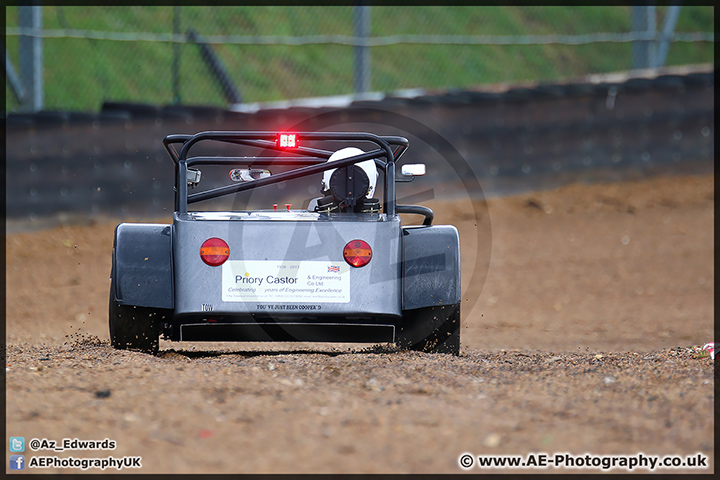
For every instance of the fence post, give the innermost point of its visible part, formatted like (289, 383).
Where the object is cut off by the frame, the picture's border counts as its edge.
(30, 58)
(361, 23)
(671, 18)
(642, 20)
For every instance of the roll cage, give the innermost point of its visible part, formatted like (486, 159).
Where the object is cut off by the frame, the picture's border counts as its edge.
(308, 161)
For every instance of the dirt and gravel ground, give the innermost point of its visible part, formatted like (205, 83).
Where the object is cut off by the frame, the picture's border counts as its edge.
(583, 339)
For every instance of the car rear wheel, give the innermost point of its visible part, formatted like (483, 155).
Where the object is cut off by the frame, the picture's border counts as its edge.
(433, 329)
(134, 328)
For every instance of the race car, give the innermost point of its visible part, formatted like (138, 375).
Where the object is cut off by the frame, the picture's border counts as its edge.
(343, 268)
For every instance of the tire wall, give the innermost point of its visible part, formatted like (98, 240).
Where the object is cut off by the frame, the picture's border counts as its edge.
(61, 164)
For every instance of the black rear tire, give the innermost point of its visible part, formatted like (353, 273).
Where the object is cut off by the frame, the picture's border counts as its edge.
(433, 329)
(134, 328)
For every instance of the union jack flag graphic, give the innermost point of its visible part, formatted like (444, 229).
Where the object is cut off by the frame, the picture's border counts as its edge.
(333, 268)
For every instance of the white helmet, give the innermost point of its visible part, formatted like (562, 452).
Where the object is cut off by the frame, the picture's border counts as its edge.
(368, 166)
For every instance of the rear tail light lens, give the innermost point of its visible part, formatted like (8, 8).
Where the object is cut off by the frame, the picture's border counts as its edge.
(357, 253)
(214, 251)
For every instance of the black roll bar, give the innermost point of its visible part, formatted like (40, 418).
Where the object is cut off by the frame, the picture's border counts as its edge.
(314, 163)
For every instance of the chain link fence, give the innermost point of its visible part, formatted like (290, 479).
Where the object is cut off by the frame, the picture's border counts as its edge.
(77, 57)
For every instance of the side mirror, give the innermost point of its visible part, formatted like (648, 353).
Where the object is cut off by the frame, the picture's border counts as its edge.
(413, 170)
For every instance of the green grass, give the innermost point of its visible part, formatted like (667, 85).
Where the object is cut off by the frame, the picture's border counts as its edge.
(80, 74)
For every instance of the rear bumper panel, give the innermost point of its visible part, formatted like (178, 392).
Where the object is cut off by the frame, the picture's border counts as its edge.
(312, 250)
